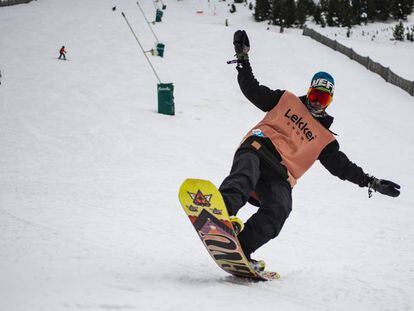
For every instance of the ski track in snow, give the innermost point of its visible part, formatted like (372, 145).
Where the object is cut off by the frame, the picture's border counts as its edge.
(89, 215)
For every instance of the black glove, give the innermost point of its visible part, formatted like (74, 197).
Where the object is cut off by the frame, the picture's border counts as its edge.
(241, 45)
(383, 186)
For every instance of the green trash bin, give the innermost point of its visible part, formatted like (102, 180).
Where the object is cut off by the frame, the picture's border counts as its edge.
(158, 15)
(166, 98)
(160, 49)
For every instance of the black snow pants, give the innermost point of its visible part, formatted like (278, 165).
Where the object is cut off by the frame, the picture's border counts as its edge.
(250, 174)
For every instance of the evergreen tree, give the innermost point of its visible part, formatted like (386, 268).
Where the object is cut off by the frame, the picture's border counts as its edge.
(332, 13)
(289, 13)
(357, 16)
(344, 13)
(400, 9)
(283, 12)
(383, 9)
(368, 10)
(276, 16)
(397, 10)
(324, 5)
(399, 31)
(317, 15)
(301, 12)
(262, 10)
(408, 7)
(310, 6)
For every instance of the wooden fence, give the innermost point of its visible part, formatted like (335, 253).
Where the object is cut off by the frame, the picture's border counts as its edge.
(384, 72)
(13, 2)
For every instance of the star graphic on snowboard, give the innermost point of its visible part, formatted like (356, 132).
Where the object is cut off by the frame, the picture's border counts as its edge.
(200, 199)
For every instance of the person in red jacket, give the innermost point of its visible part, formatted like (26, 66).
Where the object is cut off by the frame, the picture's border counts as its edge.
(62, 53)
(275, 153)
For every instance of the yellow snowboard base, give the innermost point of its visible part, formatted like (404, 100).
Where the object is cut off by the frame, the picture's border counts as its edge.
(205, 207)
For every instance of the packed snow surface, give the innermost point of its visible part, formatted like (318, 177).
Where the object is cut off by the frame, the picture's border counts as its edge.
(89, 171)
(376, 40)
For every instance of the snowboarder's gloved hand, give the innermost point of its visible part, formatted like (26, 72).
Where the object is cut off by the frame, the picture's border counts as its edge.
(383, 186)
(241, 45)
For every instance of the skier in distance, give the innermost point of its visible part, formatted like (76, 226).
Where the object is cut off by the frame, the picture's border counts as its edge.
(62, 53)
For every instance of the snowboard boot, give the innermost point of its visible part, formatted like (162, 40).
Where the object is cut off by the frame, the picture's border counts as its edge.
(237, 223)
(257, 265)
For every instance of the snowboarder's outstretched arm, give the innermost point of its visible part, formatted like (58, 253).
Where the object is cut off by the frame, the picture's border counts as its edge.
(261, 96)
(338, 164)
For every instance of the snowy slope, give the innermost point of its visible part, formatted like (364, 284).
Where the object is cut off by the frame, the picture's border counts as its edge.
(376, 41)
(89, 172)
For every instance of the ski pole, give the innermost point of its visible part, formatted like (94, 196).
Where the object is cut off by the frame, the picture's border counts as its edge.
(236, 61)
(142, 49)
(142, 11)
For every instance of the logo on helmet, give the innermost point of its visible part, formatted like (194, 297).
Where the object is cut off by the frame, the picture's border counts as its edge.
(323, 84)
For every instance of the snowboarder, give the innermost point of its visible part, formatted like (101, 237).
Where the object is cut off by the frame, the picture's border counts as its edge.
(276, 152)
(62, 53)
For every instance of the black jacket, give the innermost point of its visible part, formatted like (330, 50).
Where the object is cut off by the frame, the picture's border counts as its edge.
(334, 160)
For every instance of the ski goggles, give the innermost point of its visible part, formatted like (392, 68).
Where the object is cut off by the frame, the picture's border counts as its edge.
(319, 99)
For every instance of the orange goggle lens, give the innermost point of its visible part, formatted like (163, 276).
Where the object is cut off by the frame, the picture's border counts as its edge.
(318, 98)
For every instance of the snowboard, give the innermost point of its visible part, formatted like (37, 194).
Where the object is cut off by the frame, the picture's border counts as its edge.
(205, 207)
